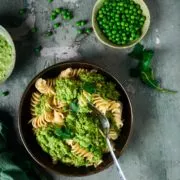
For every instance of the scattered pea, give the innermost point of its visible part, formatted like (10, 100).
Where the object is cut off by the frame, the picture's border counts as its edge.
(53, 17)
(58, 10)
(80, 31)
(48, 34)
(34, 30)
(37, 49)
(49, 1)
(22, 11)
(56, 25)
(88, 30)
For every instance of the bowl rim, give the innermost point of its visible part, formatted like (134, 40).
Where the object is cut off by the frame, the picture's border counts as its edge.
(20, 119)
(113, 45)
(9, 39)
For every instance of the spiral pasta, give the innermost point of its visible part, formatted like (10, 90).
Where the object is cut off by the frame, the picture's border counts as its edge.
(42, 86)
(101, 104)
(58, 118)
(48, 117)
(51, 82)
(34, 101)
(113, 134)
(69, 72)
(84, 98)
(116, 109)
(76, 149)
(66, 73)
(55, 103)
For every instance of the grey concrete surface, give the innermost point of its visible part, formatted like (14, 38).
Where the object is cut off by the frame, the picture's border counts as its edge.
(154, 149)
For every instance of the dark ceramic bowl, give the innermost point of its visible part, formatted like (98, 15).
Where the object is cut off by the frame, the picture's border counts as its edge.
(43, 158)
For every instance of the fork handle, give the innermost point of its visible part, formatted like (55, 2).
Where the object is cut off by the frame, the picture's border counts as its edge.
(121, 174)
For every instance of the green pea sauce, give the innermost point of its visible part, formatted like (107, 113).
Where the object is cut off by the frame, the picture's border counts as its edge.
(5, 57)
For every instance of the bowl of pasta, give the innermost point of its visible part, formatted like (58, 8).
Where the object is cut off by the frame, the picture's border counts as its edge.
(57, 127)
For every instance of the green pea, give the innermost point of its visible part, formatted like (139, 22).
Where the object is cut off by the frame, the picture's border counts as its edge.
(132, 17)
(126, 24)
(123, 16)
(48, 34)
(38, 49)
(123, 42)
(118, 23)
(53, 13)
(22, 11)
(143, 18)
(114, 32)
(141, 23)
(58, 10)
(131, 39)
(131, 7)
(53, 17)
(122, 23)
(56, 25)
(139, 11)
(126, 11)
(120, 4)
(34, 29)
(80, 31)
(49, 1)
(127, 29)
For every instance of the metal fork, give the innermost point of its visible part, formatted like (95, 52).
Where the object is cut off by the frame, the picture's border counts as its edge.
(105, 127)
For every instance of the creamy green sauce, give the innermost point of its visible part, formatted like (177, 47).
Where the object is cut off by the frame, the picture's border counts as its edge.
(80, 125)
(5, 57)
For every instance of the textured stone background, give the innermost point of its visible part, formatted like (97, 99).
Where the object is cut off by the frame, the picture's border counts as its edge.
(154, 149)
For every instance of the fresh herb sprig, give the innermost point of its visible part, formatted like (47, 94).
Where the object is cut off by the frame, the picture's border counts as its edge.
(144, 69)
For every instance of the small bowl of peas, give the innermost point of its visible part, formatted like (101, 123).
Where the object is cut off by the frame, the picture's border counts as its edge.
(120, 23)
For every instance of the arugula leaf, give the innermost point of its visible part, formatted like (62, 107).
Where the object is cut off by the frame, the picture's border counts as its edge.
(144, 70)
(74, 107)
(5, 93)
(89, 87)
(63, 133)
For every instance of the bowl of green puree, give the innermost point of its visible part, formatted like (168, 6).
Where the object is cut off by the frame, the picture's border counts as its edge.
(7, 55)
(120, 23)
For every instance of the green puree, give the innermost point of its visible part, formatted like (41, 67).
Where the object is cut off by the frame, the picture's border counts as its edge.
(5, 57)
(80, 125)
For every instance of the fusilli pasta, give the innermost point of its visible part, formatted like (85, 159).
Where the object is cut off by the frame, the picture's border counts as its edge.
(42, 86)
(113, 134)
(76, 149)
(84, 98)
(34, 101)
(116, 109)
(101, 104)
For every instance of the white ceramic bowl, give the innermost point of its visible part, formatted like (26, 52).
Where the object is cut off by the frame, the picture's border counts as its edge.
(101, 36)
(7, 36)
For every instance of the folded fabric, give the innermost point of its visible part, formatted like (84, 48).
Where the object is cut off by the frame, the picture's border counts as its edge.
(14, 162)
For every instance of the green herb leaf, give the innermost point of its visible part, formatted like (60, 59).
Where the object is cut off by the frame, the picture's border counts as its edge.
(147, 79)
(5, 93)
(63, 133)
(144, 70)
(137, 52)
(145, 63)
(74, 107)
(89, 87)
